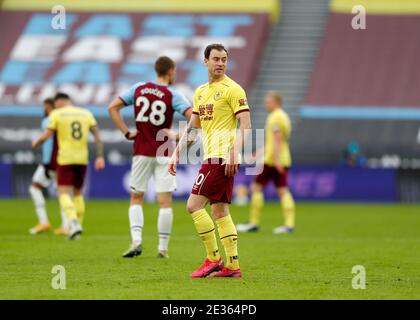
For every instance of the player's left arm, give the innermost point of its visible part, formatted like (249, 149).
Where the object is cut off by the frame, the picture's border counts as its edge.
(99, 148)
(245, 127)
(48, 133)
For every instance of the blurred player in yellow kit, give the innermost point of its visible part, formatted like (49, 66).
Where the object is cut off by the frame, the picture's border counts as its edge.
(72, 126)
(277, 161)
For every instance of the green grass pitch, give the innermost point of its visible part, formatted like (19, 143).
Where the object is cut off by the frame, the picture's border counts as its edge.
(313, 263)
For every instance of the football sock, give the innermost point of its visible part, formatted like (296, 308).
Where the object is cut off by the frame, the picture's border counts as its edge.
(64, 223)
(79, 204)
(164, 227)
(288, 205)
(257, 202)
(67, 205)
(135, 215)
(229, 239)
(39, 202)
(205, 228)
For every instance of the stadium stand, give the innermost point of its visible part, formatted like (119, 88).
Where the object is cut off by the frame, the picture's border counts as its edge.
(364, 86)
(290, 55)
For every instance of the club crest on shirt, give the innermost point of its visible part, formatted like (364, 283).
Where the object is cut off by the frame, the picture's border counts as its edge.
(218, 95)
(242, 102)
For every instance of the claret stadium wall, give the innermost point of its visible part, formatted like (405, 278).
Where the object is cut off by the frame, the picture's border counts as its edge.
(364, 86)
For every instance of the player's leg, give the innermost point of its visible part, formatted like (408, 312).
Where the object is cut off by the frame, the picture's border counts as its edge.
(64, 228)
(165, 185)
(79, 204)
(288, 207)
(65, 187)
(141, 171)
(78, 198)
(165, 220)
(67, 204)
(39, 182)
(228, 238)
(287, 203)
(136, 219)
(206, 229)
(257, 203)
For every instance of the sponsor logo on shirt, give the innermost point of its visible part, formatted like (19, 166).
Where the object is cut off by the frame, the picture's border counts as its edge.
(205, 111)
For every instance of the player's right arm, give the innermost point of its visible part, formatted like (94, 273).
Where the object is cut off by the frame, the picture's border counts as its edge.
(48, 132)
(189, 135)
(114, 112)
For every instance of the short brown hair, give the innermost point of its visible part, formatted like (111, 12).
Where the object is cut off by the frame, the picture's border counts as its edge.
(61, 96)
(276, 95)
(49, 101)
(215, 46)
(163, 65)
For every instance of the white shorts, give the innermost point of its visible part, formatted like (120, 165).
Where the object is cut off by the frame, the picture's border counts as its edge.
(41, 178)
(144, 167)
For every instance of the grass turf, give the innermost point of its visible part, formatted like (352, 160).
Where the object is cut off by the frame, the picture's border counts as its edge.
(313, 263)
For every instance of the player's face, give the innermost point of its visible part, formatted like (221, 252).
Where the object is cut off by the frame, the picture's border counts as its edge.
(270, 103)
(47, 108)
(216, 63)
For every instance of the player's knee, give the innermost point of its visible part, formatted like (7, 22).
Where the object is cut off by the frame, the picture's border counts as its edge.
(165, 201)
(35, 185)
(192, 207)
(219, 211)
(136, 198)
(282, 191)
(255, 187)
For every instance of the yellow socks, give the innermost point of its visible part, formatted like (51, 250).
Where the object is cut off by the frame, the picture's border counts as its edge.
(79, 204)
(288, 205)
(67, 205)
(205, 227)
(257, 202)
(229, 239)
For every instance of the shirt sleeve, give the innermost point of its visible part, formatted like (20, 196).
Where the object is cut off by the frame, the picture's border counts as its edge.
(238, 100)
(276, 123)
(128, 96)
(52, 121)
(92, 120)
(179, 102)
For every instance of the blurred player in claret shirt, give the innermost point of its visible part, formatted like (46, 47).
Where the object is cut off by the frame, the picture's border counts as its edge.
(218, 107)
(72, 126)
(43, 176)
(277, 161)
(154, 106)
